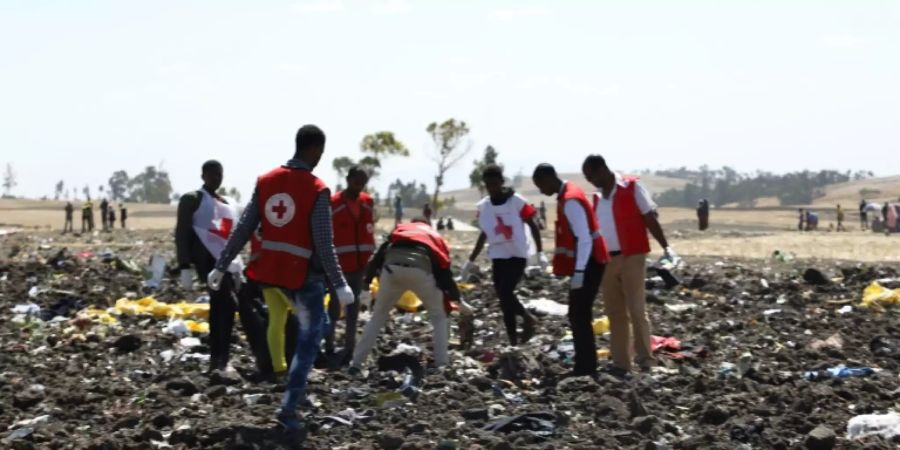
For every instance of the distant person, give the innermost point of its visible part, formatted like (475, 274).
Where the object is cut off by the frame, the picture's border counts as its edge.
(111, 218)
(427, 212)
(812, 221)
(703, 214)
(863, 215)
(801, 225)
(840, 218)
(440, 224)
(449, 224)
(104, 208)
(891, 214)
(70, 210)
(87, 216)
(123, 214)
(398, 210)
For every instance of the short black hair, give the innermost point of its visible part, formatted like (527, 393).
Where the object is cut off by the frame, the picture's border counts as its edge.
(492, 171)
(211, 164)
(356, 171)
(594, 161)
(544, 170)
(309, 136)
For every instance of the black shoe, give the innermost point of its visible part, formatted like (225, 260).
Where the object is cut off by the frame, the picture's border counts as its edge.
(528, 328)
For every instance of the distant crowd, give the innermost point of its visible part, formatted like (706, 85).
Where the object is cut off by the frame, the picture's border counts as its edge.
(884, 217)
(107, 216)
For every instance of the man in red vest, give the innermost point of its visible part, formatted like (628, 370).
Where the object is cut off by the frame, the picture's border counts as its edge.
(353, 218)
(626, 213)
(415, 258)
(580, 254)
(292, 207)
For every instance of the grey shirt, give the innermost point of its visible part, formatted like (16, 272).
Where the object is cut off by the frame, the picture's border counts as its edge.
(323, 262)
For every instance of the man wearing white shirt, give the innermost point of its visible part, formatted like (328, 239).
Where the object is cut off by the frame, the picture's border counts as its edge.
(626, 213)
(502, 216)
(581, 254)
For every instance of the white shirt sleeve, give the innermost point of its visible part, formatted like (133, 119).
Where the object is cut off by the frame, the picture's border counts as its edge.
(578, 220)
(642, 197)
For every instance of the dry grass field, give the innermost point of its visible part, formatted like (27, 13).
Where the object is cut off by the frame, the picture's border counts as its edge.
(749, 233)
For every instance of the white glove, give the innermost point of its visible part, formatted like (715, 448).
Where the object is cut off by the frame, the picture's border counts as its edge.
(365, 298)
(214, 279)
(466, 268)
(670, 253)
(577, 281)
(345, 295)
(543, 261)
(186, 280)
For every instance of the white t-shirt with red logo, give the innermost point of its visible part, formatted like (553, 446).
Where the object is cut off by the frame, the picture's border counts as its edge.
(504, 226)
(213, 223)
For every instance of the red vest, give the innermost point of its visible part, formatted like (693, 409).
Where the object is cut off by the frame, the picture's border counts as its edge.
(566, 244)
(285, 198)
(630, 227)
(354, 237)
(424, 234)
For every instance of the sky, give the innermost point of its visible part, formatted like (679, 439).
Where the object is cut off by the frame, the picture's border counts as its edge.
(91, 87)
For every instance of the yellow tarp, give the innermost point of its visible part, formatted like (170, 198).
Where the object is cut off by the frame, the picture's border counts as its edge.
(197, 327)
(155, 308)
(99, 315)
(878, 296)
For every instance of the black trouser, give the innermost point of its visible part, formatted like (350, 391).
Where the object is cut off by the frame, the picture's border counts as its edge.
(68, 226)
(507, 274)
(254, 320)
(863, 220)
(222, 307)
(355, 281)
(581, 304)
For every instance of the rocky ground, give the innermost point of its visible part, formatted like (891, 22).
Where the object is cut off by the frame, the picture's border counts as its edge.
(749, 330)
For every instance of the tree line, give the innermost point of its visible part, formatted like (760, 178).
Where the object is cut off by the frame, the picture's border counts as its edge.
(728, 186)
(150, 186)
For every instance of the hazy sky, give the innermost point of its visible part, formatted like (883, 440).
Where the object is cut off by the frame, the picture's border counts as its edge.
(89, 87)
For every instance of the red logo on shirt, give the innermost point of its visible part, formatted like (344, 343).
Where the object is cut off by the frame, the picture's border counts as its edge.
(504, 229)
(224, 229)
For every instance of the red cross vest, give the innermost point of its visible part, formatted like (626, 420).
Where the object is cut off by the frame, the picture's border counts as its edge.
(285, 198)
(423, 234)
(354, 237)
(566, 244)
(630, 227)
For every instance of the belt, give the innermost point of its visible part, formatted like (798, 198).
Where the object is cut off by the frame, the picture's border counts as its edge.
(615, 253)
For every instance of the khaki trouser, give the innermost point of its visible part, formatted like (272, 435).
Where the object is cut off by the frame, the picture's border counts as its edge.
(394, 281)
(626, 306)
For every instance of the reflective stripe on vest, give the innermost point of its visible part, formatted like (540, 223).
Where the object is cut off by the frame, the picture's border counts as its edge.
(354, 248)
(564, 251)
(338, 209)
(292, 249)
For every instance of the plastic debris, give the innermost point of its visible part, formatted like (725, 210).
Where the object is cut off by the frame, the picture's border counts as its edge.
(876, 296)
(29, 309)
(547, 307)
(155, 308)
(840, 371)
(884, 425)
(601, 325)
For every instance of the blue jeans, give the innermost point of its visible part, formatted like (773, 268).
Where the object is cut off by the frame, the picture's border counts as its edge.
(309, 307)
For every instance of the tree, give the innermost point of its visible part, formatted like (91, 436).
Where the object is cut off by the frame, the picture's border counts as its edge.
(9, 180)
(448, 138)
(490, 157)
(118, 185)
(233, 192)
(341, 165)
(151, 186)
(382, 144)
(60, 186)
(371, 165)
